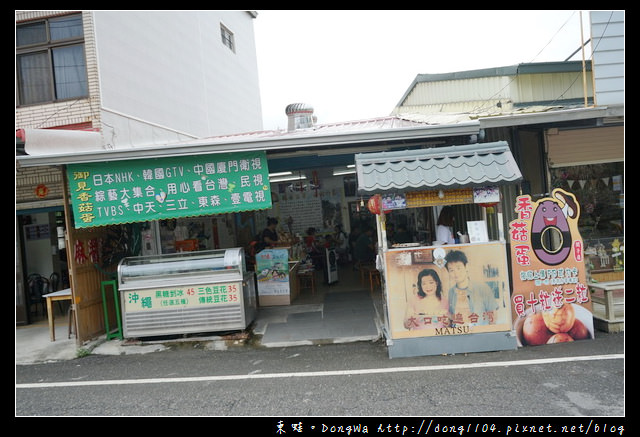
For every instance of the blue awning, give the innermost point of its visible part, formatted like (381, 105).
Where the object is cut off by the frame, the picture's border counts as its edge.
(472, 165)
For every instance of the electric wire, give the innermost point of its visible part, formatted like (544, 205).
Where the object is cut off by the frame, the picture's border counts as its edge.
(485, 105)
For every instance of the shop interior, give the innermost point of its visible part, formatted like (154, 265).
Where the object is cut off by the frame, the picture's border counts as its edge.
(43, 261)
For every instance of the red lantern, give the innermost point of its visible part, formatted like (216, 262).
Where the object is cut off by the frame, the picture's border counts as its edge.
(488, 206)
(375, 204)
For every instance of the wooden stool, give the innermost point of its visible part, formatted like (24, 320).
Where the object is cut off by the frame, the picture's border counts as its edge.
(365, 268)
(307, 280)
(374, 277)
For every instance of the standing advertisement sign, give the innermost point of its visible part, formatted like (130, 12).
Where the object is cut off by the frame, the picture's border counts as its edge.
(550, 300)
(272, 271)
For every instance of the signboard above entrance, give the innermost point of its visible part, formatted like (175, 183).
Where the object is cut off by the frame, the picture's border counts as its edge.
(152, 189)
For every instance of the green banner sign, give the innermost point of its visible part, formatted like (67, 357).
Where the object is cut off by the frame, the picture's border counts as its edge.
(153, 189)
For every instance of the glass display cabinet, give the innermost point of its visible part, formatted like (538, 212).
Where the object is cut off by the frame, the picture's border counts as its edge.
(187, 292)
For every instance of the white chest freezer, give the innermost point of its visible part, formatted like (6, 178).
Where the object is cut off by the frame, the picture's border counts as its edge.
(187, 292)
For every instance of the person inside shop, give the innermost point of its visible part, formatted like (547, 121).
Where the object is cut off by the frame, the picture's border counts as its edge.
(269, 236)
(426, 307)
(313, 249)
(390, 229)
(329, 242)
(365, 249)
(353, 237)
(341, 244)
(340, 237)
(470, 302)
(444, 230)
(402, 236)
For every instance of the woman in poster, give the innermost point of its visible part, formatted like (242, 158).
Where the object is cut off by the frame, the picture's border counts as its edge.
(426, 308)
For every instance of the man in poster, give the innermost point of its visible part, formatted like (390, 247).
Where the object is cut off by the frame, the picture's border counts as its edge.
(470, 302)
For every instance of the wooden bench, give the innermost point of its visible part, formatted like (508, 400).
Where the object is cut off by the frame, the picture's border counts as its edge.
(307, 279)
(610, 295)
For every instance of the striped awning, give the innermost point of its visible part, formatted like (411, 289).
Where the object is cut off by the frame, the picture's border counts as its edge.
(472, 165)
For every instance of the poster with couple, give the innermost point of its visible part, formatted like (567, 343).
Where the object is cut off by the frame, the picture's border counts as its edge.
(448, 290)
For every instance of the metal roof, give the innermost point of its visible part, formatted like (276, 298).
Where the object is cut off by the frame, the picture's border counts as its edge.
(435, 168)
(353, 134)
(509, 70)
(334, 135)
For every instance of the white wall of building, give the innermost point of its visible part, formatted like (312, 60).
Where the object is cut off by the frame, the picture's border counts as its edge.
(167, 76)
(607, 34)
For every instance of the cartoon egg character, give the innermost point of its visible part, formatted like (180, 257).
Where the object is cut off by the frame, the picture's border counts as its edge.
(550, 233)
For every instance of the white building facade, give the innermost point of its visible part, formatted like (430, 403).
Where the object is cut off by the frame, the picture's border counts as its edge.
(145, 77)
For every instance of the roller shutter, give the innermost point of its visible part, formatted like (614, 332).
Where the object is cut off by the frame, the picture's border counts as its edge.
(585, 146)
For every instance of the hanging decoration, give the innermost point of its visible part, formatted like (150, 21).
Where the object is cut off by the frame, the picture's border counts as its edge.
(375, 205)
(488, 205)
(316, 182)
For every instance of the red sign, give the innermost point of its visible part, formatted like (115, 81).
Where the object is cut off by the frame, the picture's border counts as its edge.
(41, 191)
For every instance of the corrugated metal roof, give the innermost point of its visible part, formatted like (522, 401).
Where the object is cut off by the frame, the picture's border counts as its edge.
(401, 127)
(440, 167)
(495, 72)
(334, 135)
(372, 125)
(376, 124)
(454, 112)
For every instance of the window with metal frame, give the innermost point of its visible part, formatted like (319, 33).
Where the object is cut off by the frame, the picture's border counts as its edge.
(227, 38)
(50, 60)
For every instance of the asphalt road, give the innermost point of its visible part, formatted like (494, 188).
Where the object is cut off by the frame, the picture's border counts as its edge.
(579, 380)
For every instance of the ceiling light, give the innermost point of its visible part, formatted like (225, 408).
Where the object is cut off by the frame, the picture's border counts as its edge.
(343, 171)
(280, 173)
(287, 178)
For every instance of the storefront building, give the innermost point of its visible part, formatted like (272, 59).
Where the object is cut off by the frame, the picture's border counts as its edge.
(579, 149)
(115, 210)
(311, 196)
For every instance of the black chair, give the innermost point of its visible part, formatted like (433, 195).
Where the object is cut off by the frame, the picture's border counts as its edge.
(38, 286)
(54, 282)
(54, 285)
